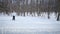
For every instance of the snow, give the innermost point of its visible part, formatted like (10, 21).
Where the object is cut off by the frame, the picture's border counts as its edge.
(28, 24)
(14, 13)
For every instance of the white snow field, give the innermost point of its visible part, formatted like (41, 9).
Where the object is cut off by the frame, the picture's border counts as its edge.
(29, 25)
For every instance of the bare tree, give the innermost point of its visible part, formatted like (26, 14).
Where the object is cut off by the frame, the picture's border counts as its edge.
(58, 9)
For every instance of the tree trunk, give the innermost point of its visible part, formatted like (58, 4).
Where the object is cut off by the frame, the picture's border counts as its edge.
(58, 17)
(48, 15)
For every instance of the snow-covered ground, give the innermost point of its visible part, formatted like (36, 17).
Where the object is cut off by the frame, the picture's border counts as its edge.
(29, 24)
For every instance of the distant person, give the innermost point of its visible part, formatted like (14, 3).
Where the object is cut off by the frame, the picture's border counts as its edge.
(13, 17)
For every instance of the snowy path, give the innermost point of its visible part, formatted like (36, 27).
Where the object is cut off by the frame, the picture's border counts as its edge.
(29, 23)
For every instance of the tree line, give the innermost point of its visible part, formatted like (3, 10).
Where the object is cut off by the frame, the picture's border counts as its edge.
(30, 6)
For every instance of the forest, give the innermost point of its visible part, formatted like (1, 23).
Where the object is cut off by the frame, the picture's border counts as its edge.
(32, 7)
